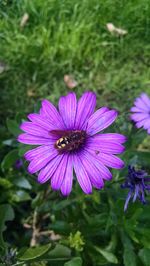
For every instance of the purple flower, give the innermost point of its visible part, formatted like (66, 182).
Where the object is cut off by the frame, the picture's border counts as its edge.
(141, 112)
(136, 182)
(68, 140)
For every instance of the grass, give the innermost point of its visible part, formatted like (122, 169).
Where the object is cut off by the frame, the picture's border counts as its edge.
(66, 36)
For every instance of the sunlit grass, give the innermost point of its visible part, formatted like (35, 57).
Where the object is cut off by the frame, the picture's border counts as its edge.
(71, 37)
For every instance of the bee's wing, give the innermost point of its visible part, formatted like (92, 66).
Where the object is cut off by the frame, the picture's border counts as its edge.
(59, 133)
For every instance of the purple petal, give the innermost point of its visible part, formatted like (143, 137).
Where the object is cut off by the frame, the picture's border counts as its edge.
(49, 111)
(99, 121)
(143, 123)
(40, 161)
(140, 123)
(92, 172)
(68, 178)
(148, 131)
(85, 108)
(82, 175)
(145, 99)
(47, 172)
(127, 200)
(35, 130)
(111, 160)
(67, 109)
(146, 179)
(103, 170)
(139, 116)
(42, 113)
(142, 195)
(146, 123)
(58, 177)
(136, 110)
(140, 104)
(110, 137)
(40, 121)
(33, 140)
(39, 151)
(105, 147)
(136, 193)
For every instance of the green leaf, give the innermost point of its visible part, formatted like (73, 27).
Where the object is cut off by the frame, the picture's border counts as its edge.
(13, 127)
(61, 227)
(21, 182)
(59, 251)
(5, 183)
(74, 262)
(143, 157)
(96, 222)
(6, 214)
(23, 149)
(21, 196)
(113, 242)
(33, 253)
(129, 256)
(144, 255)
(8, 142)
(110, 257)
(63, 204)
(144, 235)
(9, 160)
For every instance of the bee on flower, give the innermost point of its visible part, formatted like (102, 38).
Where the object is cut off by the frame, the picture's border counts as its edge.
(69, 139)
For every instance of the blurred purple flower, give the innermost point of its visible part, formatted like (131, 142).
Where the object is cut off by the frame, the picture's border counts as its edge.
(68, 140)
(141, 112)
(18, 164)
(136, 181)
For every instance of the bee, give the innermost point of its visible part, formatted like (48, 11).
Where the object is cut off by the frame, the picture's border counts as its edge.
(69, 140)
(61, 143)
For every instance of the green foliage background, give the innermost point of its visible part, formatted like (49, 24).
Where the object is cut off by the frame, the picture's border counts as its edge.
(70, 37)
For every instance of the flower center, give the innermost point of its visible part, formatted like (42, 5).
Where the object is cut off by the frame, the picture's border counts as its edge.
(70, 140)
